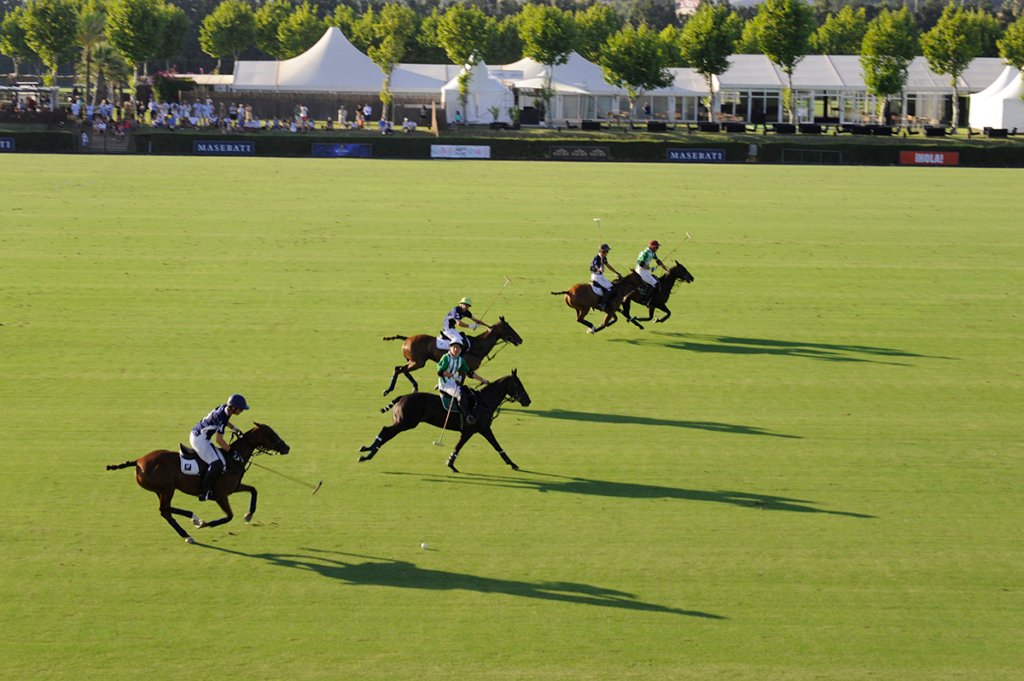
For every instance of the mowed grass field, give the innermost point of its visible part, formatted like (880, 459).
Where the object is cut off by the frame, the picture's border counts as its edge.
(811, 471)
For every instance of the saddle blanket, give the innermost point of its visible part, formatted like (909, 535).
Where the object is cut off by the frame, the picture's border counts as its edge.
(598, 291)
(443, 343)
(191, 464)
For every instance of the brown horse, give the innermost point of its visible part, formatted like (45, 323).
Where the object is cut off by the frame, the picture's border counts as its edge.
(416, 408)
(422, 347)
(582, 298)
(658, 298)
(160, 473)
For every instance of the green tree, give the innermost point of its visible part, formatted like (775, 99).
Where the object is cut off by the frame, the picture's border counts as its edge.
(636, 59)
(395, 27)
(92, 23)
(784, 29)
(749, 42)
(842, 33)
(50, 29)
(990, 30)
(889, 46)
(1011, 46)
(135, 28)
(464, 33)
(594, 26)
(13, 40)
(111, 68)
(549, 36)
(268, 19)
(228, 30)
(175, 26)
(300, 30)
(706, 43)
(950, 47)
(505, 45)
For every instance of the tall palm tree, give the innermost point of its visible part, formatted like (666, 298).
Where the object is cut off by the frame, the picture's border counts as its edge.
(92, 23)
(110, 66)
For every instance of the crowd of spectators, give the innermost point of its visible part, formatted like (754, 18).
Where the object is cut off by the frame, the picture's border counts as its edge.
(203, 114)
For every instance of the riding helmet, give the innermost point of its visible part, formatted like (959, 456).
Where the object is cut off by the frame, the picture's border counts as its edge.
(654, 244)
(467, 301)
(238, 402)
(606, 248)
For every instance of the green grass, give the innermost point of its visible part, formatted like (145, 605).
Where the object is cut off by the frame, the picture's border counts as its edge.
(811, 471)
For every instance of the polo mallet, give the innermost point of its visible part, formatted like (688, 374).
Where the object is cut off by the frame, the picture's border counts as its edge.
(688, 238)
(315, 488)
(440, 441)
(503, 287)
(599, 236)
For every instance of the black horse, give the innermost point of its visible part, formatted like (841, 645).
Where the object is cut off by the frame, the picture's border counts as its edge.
(658, 298)
(413, 409)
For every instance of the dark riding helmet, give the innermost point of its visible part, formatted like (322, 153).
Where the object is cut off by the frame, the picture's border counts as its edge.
(238, 402)
(654, 244)
(605, 247)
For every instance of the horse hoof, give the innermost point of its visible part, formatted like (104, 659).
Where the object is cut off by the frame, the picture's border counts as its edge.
(514, 467)
(190, 540)
(248, 517)
(591, 331)
(196, 521)
(364, 458)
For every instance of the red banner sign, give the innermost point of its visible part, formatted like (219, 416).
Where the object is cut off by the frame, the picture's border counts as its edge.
(930, 158)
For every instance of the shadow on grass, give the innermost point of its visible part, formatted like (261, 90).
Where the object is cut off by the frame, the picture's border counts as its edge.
(830, 352)
(547, 482)
(648, 421)
(357, 569)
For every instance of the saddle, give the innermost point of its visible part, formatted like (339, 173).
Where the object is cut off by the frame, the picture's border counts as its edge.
(443, 343)
(449, 403)
(190, 462)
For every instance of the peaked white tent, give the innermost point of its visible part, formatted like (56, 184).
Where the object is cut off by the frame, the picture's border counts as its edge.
(485, 92)
(1000, 104)
(333, 64)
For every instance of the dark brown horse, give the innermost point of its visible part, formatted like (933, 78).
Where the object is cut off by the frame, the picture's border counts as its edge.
(420, 348)
(160, 473)
(413, 409)
(582, 299)
(658, 298)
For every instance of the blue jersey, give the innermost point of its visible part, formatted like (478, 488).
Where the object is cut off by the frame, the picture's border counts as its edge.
(453, 317)
(214, 422)
(598, 264)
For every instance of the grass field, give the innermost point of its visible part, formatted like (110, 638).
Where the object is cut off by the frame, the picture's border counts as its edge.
(811, 471)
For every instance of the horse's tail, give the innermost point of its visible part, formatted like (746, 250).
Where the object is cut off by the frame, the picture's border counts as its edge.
(387, 408)
(126, 464)
(387, 338)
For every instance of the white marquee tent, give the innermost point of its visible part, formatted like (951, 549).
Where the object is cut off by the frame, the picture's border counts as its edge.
(1000, 104)
(485, 92)
(332, 64)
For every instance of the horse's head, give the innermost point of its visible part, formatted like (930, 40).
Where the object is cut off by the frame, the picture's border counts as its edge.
(514, 389)
(679, 272)
(263, 438)
(506, 333)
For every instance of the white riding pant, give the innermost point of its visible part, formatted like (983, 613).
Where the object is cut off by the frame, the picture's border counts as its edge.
(207, 451)
(646, 276)
(454, 335)
(599, 280)
(451, 387)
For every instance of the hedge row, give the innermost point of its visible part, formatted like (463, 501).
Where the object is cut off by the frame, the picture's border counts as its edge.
(737, 149)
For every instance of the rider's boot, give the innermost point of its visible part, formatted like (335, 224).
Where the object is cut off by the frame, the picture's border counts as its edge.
(467, 411)
(212, 473)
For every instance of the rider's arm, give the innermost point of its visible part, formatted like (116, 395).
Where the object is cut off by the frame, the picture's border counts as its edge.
(220, 441)
(478, 377)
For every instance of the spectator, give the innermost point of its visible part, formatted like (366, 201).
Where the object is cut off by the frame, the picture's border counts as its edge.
(367, 112)
(408, 126)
